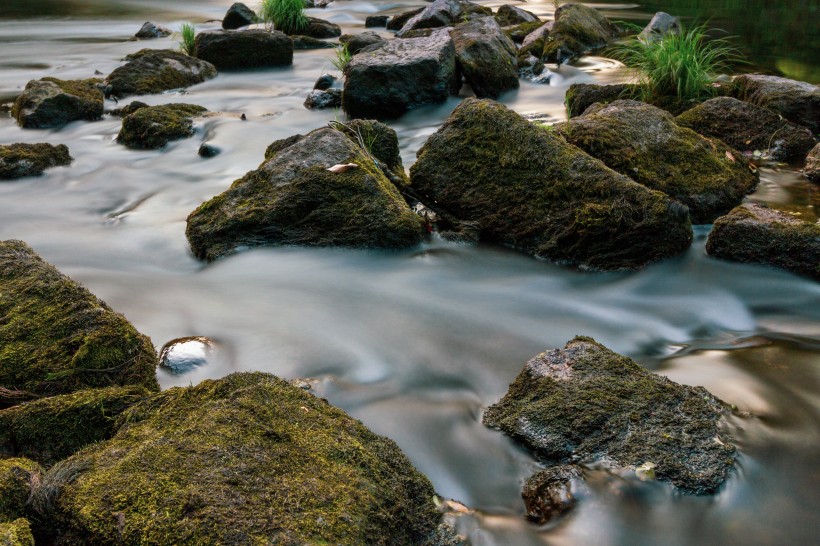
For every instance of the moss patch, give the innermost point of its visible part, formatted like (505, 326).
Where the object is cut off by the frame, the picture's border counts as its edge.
(578, 29)
(17, 479)
(51, 102)
(153, 127)
(157, 70)
(56, 337)
(21, 160)
(16, 533)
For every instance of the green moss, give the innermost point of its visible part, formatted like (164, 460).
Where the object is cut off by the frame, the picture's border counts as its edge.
(17, 478)
(577, 29)
(51, 102)
(157, 70)
(586, 403)
(155, 126)
(248, 459)
(56, 337)
(53, 428)
(16, 533)
(20, 160)
(519, 32)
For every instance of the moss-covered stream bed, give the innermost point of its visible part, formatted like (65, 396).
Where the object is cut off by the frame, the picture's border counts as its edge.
(417, 343)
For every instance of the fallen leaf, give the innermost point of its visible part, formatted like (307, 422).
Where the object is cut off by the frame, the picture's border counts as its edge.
(753, 168)
(729, 156)
(343, 167)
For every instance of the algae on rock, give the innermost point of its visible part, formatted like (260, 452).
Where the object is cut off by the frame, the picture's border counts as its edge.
(50, 102)
(16, 533)
(17, 479)
(577, 29)
(156, 70)
(21, 160)
(153, 127)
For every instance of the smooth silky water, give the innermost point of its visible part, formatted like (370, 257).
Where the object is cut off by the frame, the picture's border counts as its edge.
(417, 343)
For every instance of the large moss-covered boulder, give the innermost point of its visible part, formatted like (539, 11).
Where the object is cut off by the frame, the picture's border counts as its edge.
(798, 102)
(53, 428)
(812, 168)
(240, 49)
(510, 15)
(21, 160)
(16, 533)
(17, 479)
(747, 127)
(585, 403)
(525, 187)
(151, 71)
(644, 143)
(577, 29)
(294, 199)
(486, 57)
(155, 126)
(50, 102)
(56, 337)
(248, 459)
(757, 234)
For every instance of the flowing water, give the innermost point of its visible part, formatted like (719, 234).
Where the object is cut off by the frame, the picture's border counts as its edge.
(416, 343)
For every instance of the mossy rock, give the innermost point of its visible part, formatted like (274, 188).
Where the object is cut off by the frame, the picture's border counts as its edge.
(533, 43)
(21, 160)
(56, 337)
(526, 188)
(753, 233)
(586, 403)
(50, 102)
(577, 30)
(581, 96)
(16, 533)
(53, 428)
(747, 127)
(243, 49)
(519, 32)
(486, 57)
(248, 459)
(153, 127)
(548, 494)
(156, 70)
(798, 102)
(398, 21)
(509, 15)
(812, 168)
(644, 143)
(18, 477)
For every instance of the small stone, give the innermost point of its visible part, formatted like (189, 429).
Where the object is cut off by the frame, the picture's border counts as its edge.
(320, 99)
(238, 15)
(325, 82)
(149, 30)
(548, 494)
(180, 356)
(376, 21)
(208, 150)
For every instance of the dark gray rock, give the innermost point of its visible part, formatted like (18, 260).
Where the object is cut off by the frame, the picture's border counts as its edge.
(587, 403)
(577, 30)
(753, 233)
(661, 24)
(21, 160)
(398, 21)
(798, 102)
(533, 43)
(156, 70)
(486, 57)
(376, 21)
(581, 96)
(519, 32)
(149, 30)
(357, 42)
(324, 82)
(548, 494)
(240, 49)
(812, 168)
(306, 42)
(508, 15)
(385, 80)
(128, 109)
(50, 102)
(323, 98)
(319, 28)
(442, 13)
(238, 15)
(208, 151)
(155, 126)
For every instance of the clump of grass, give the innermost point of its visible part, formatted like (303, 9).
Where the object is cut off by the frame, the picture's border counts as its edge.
(188, 33)
(342, 59)
(682, 65)
(285, 15)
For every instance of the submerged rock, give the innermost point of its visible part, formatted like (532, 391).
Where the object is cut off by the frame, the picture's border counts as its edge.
(386, 80)
(644, 143)
(17, 479)
(53, 428)
(56, 337)
(526, 188)
(508, 15)
(149, 31)
(16, 533)
(294, 199)
(747, 127)
(661, 24)
(238, 15)
(155, 126)
(21, 160)
(240, 49)
(486, 57)
(548, 493)
(578, 29)
(581, 96)
(248, 459)
(357, 42)
(798, 102)
(323, 98)
(156, 70)
(50, 102)
(182, 355)
(812, 168)
(587, 403)
(753, 233)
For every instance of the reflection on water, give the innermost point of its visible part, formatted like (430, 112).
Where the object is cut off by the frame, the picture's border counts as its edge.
(416, 343)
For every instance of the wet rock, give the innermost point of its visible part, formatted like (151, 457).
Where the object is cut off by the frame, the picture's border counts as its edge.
(208, 150)
(128, 109)
(357, 42)
(753, 233)
(240, 49)
(508, 15)
(747, 127)
(581, 96)
(149, 31)
(379, 140)
(17, 478)
(50, 102)
(587, 403)
(206, 458)
(238, 15)
(520, 32)
(56, 337)
(398, 21)
(16, 533)
(531, 68)
(526, 188)
(486, 57)
(324, 82)
(21, 160)
(155, 126)
(53, 428)
(320, 99)
(182, 355)
(644, 142)
(443, 13)
(798, 102)
(661, 24)
(306, 42)
(386, 80)
(293, 199)
(577, 30)
(156, 70)
(548, 493)
(376, 21)
(319, 28)
(533, 43)
(812, 168)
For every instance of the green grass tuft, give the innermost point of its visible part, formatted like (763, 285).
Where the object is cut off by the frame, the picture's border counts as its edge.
(285, 15)
(342, 59)
(188, 32)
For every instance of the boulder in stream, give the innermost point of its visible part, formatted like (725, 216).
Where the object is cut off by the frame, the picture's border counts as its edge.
(586, 403)
(16, 533)
(238, 15)
(486, 57)
(442, 13)
(357, 42)
(376, 21)
(50, 102)
(18, 477)
(812, 168)
(156, 70)
(798, 102)
(56, 337)
(153, 127)
(661, 24)
(242, 49)
(581, 96)
(577, 29)
(524, 187)
(318, 99)
(21, 159)
(754, 233)
(319, 28)
(510, 15)
(149, 31)
(398, 21)
(247, 459)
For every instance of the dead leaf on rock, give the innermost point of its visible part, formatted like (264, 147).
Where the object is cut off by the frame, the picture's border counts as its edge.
(343, 167)
(729, 156)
